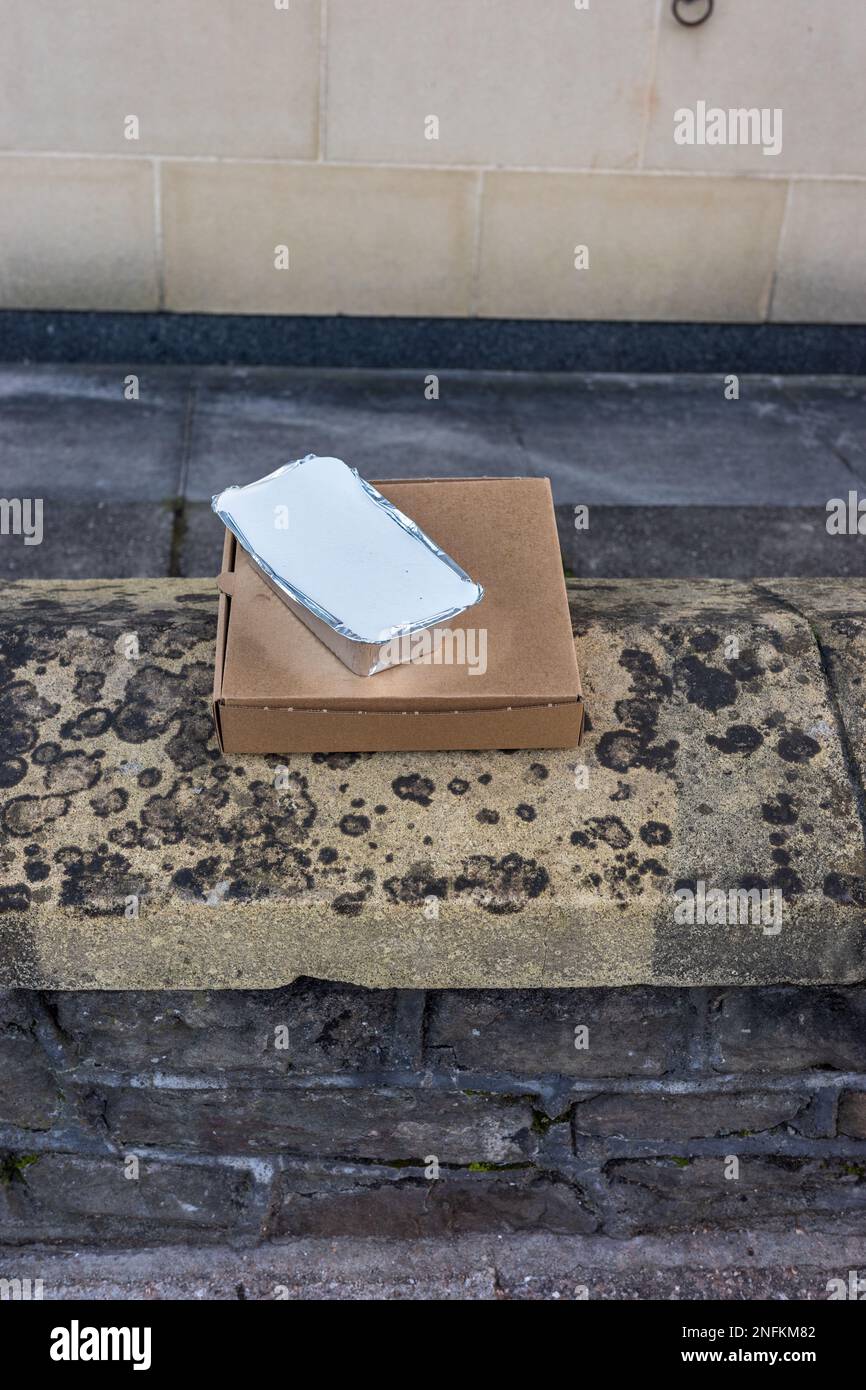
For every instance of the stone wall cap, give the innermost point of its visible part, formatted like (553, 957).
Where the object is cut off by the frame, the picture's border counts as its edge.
(723, 753)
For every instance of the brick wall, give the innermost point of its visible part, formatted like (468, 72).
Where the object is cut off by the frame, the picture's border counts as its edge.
(155, 157)
(324, 1109)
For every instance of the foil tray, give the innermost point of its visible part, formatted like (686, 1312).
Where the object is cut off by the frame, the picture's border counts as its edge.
(346, 561)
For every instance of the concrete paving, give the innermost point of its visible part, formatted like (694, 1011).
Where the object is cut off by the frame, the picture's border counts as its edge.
(468, 1268)
(679, 480)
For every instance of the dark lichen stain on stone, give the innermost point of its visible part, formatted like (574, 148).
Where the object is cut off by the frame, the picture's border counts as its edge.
(458, 786)
(96, 885)
(487, 817)
(28, 815)
(608, 829)
(12, 771)
(782, 810)
(652, 866)
(797, 747)
(706, 641)
(502, 886)
(525, 812)
(655, 832)
(349, 904)
(354, 825)
(708, 687)
(14, 897)
(414, 787)
(846, 889)
(91, 723)
(416, 886)
(740, 738)
(110, 803)
(338, 762)
(623, 749)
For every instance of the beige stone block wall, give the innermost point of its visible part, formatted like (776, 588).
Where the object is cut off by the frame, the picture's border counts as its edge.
(357, 240)
(81, 231)
(656, 247)
(433, 157)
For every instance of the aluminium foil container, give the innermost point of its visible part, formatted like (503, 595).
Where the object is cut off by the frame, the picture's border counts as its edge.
(361, 575)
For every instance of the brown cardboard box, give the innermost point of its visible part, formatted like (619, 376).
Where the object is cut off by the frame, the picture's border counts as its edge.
(277, 689)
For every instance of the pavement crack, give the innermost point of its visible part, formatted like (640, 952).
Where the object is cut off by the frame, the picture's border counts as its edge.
(821, 436)
(178, 503)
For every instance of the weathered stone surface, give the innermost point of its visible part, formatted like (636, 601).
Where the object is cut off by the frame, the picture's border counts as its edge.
(444, 1123)
(735, 770)
(332, 1200)
(383, 1123)
(63, 1196)
(836, 613)
(657, 1194)
(685, 1116)
(29, 1096)
(527, 1032)
(307, 1027)
(786, 1030)
(852, 1114)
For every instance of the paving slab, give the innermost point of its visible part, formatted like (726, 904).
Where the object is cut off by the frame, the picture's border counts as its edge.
(107, 469)
(663, 441)
(93, 540)
(68, 433)
(705, 761)
(650, 542)
(201, 542)
(690, 542)
(653, 440)
(248, 422)
(621, 445)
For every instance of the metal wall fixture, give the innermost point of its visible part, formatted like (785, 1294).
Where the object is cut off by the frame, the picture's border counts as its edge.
(702, 8)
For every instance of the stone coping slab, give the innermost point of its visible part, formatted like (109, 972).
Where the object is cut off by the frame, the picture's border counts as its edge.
(724, 746)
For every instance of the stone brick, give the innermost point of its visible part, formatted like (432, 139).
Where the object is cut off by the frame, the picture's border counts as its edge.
(366, 1201)
(411, 243)
(379, 1123)
(528, 221)
(785, 1029)
(685, 1116)
(61, 1196)
(78, 233)
(29, 1097)
(532, 1032)
(852, 1114)
(329, 1028)
(773, 1193)
(822, 266)
(510, 84)
(206, 77)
